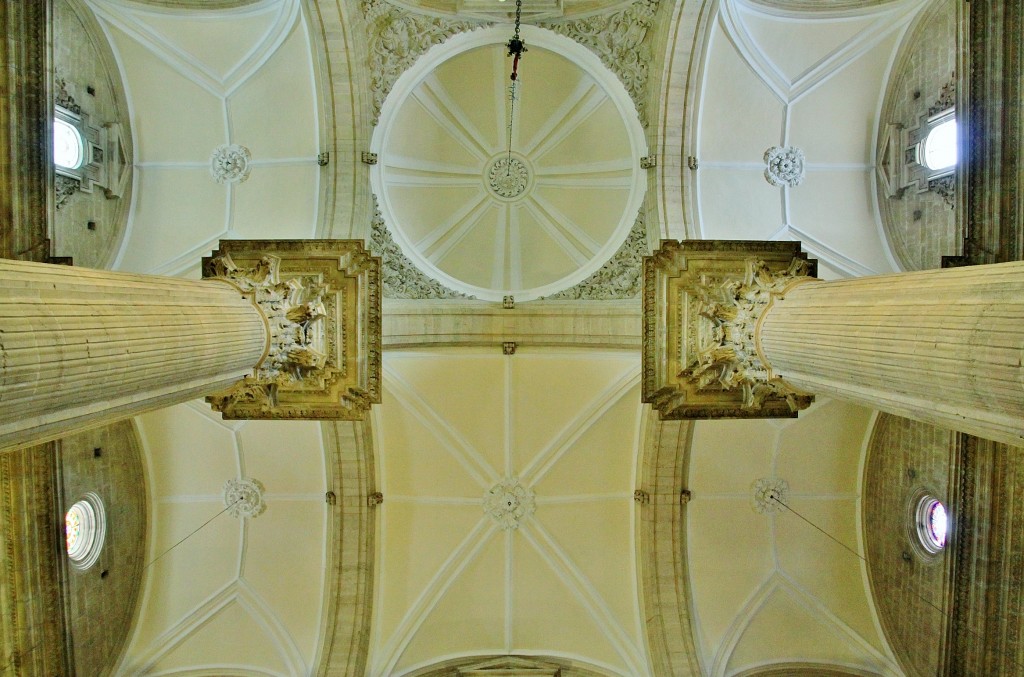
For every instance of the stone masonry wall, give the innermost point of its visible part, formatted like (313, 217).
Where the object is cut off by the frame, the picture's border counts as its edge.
(84, 61)
(103, 598)
(921, 227)
(904, 458)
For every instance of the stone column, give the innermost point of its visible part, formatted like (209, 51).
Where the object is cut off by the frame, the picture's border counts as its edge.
(286, 329)
(82, 347)
(736, 329)
(941, 346)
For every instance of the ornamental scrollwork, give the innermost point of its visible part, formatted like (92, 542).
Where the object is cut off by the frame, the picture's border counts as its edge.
(621, 277)
(293, 309)
(397, 39)
(620, 40)
(730, 360)
(400, 277)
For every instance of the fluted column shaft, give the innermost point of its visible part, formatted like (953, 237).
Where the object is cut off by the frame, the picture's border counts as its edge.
(82, 347)
(942, 346)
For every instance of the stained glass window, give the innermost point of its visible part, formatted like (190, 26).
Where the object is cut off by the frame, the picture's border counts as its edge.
(932, 524)
(84, 529)
(937, 524)
(72, 528)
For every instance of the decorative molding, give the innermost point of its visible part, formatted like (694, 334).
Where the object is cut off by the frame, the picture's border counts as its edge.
(321, 301)
(397, 38)
(784, 166)
(730, 359)
(295, 311)
(230, 163)
(508, 177)
(400, 277)
(509, 503)
(62, 97)
(349, 567)
(620, 40)
(945, 187)
(64, 187)
(702, 300)
(947, 97)
(662, 558)
(768, 495)
(243, 497)
(620, 277)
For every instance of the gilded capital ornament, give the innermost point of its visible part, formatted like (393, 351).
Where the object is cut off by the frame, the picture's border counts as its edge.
(703, 301)
(321, 302)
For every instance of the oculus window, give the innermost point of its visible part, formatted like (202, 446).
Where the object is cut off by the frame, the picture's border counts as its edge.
(84, 530)
(932, 524)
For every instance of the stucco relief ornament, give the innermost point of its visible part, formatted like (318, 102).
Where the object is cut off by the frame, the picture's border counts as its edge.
(509, 503)
(769, 495)
(785, 166)
(294, 310)
(243, 497)
(508, 177)
(230, 163)
(400, 277)
(729, 359)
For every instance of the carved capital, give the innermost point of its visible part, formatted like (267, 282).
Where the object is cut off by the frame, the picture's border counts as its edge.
(703, 301)
(321, 301)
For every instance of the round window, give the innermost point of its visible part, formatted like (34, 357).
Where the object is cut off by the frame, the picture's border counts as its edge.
(84, 528)
(932, 524)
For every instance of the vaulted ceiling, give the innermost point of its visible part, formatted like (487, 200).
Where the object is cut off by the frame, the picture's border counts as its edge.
(250, 596)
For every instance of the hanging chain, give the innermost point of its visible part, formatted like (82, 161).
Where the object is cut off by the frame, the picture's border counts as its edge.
(516, 48)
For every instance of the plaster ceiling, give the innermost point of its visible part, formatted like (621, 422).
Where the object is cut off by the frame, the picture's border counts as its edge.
(768, 587)
(815, 83)
(504, 10)
(242, 76)
(451, 581)
(483, 226)
(219, 600)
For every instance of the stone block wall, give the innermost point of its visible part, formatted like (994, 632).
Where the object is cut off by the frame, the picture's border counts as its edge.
(909, 589)
(84, 62)
(921, 227)
(103, 599)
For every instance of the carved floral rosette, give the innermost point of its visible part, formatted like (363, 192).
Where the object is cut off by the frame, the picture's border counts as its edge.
(784, 166)
(322, 304)
(244, 497)
(509, 503)
(768, 495)
(702, 301)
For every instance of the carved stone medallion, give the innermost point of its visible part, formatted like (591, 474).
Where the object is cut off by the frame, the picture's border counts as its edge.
(508, 502)
(229, 163)
(785, 166)
(244, 497)
(321, 301)
(507, 177)
(702, 302)
(769, 493)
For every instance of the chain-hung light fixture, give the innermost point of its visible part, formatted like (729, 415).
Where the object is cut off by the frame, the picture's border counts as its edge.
(516, 49)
